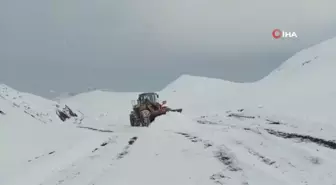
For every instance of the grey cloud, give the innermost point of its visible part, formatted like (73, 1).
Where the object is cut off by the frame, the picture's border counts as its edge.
(68, 45)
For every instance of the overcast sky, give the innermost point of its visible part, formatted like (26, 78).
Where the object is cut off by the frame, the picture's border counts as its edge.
(132, 45)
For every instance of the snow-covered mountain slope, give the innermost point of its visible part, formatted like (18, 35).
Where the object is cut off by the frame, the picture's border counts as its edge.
(278, 130)
(304, 83)
(31, 150)
(313, 69)
(44, 110)
(300, 87)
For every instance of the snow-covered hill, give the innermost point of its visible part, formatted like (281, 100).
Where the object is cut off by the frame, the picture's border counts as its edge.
(301, 87)
(278, 130)
(31, 150)
(44, 110)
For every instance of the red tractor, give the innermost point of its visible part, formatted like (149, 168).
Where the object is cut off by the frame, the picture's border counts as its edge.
(147, 108)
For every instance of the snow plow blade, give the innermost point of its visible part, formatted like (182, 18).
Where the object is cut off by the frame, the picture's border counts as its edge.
(176, 110)
(159, 113)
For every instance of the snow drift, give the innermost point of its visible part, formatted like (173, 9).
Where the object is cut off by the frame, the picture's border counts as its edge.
(278, 130)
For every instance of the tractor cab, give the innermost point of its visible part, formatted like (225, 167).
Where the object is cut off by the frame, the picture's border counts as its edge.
(153, 97)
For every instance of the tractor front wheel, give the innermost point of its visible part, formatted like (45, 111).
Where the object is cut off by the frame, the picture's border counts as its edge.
(145, 118)
(132, 120)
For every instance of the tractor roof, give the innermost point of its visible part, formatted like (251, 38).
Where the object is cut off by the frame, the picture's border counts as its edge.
(148, 93)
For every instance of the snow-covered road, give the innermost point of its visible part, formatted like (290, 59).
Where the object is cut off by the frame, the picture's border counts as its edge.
(178, 150)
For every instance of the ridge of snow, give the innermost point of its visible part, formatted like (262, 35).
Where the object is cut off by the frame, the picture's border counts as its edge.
(295, 63)
(187, 81)
(309, 67)
(37, 107)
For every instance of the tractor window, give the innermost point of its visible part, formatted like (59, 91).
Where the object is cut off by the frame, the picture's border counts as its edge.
(151, 97)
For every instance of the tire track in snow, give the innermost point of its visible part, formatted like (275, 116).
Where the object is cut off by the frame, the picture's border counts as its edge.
(303, 138)
(231, 173)
(258, 155)
(74, 170)
(224, 156)
(294, 164)
(43, 155)
(262, 158)
(124, 152)
(88, 168)
(126, 148)
(163, 157)
(267, 155)
(195, 139)
(95, 129)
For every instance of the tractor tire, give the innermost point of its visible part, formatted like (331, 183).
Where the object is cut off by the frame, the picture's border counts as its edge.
(137, 123)
(145, 118)
(146, 122)
(132, 120)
